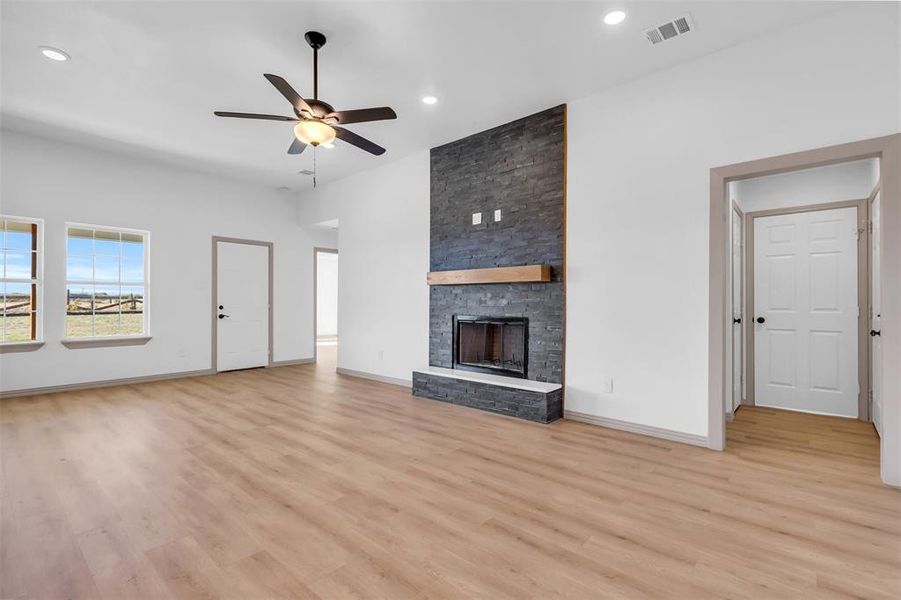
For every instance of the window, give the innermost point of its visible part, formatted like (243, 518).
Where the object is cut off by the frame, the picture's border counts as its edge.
(20, 290)
(106, 282)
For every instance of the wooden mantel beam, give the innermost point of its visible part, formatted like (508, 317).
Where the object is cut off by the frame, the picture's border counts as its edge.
(520, 274)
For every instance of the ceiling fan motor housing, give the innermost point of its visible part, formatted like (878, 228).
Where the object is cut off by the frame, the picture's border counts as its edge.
(320, 109)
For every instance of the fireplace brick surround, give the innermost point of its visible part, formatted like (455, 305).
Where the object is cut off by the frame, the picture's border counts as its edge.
(518, 168)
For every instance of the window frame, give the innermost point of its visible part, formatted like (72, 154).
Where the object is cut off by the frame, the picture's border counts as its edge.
(94, 340)
(37, 281)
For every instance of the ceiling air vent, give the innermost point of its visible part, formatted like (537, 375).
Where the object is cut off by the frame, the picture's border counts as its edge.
(667, 31)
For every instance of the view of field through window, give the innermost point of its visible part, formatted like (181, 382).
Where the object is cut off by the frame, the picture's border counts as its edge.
(19, 284)
(105, 283)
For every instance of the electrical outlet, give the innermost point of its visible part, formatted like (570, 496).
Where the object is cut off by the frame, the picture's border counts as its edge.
(497, 215)
(477, 218)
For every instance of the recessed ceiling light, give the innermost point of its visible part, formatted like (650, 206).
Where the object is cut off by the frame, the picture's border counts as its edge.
(54, 53)
(615, 17)
(429, 99)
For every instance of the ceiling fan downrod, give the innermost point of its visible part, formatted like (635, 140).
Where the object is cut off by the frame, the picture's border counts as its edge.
(316, 41)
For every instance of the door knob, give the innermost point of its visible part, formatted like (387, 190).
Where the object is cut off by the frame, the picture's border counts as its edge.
(222, 316)
(761, 320)
(736, 320)
(875, 332)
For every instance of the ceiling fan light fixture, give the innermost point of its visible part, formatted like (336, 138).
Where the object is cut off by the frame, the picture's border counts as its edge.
(314, 133)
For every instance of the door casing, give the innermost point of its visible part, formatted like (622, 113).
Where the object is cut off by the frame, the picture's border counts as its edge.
(742, 313)
(871, 310)
(888, 150)
(863, 293)
(214, 305)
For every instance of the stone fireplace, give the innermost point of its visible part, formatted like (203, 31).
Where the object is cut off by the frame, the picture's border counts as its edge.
(497, 202)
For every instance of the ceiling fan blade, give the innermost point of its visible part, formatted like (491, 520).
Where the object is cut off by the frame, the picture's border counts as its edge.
(297, 147)
(288, 92)
(362, 115)
(360, 142)
(238, 115)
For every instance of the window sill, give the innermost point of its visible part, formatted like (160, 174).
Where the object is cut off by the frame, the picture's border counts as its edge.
(99, 342)
(29, 346)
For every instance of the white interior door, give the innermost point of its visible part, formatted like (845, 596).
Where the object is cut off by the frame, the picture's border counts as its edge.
(876, 312)
(805, 294)
(737, 308)
(242, 297)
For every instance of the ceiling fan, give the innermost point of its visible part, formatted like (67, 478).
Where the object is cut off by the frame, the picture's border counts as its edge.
(317, 122)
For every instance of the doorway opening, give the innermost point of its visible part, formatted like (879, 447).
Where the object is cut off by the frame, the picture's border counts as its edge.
(325, 318)
(799, 297)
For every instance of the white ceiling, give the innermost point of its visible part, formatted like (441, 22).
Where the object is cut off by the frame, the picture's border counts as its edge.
(145, 76)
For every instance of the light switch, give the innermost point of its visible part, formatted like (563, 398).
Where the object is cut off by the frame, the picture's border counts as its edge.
(497, 214)
(477, 218)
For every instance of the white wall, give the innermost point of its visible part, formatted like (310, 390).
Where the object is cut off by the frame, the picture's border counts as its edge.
(61, 183)
(639, 159)
(833, 183)
(383, 299)
(326, 294)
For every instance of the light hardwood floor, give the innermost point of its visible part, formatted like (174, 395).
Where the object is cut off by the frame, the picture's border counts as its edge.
(294, 482)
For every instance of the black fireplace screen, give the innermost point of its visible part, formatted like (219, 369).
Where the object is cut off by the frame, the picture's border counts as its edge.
(491, 344)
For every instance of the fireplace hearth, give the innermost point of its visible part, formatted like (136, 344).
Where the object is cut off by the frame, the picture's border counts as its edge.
(497, 345)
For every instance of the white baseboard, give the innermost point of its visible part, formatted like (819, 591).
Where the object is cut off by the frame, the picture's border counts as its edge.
(657, 432)
(288, 363)
(407, 383)
(86, 385)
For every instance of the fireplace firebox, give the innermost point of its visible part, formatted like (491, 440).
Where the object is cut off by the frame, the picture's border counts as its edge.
(498, 345)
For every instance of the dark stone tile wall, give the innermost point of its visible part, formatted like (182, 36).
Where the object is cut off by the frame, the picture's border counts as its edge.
(523, 404)
(519, 168)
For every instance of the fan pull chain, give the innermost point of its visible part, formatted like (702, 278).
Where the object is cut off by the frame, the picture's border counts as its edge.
(314, 167)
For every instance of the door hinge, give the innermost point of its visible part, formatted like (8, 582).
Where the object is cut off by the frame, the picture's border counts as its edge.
(869, 226)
